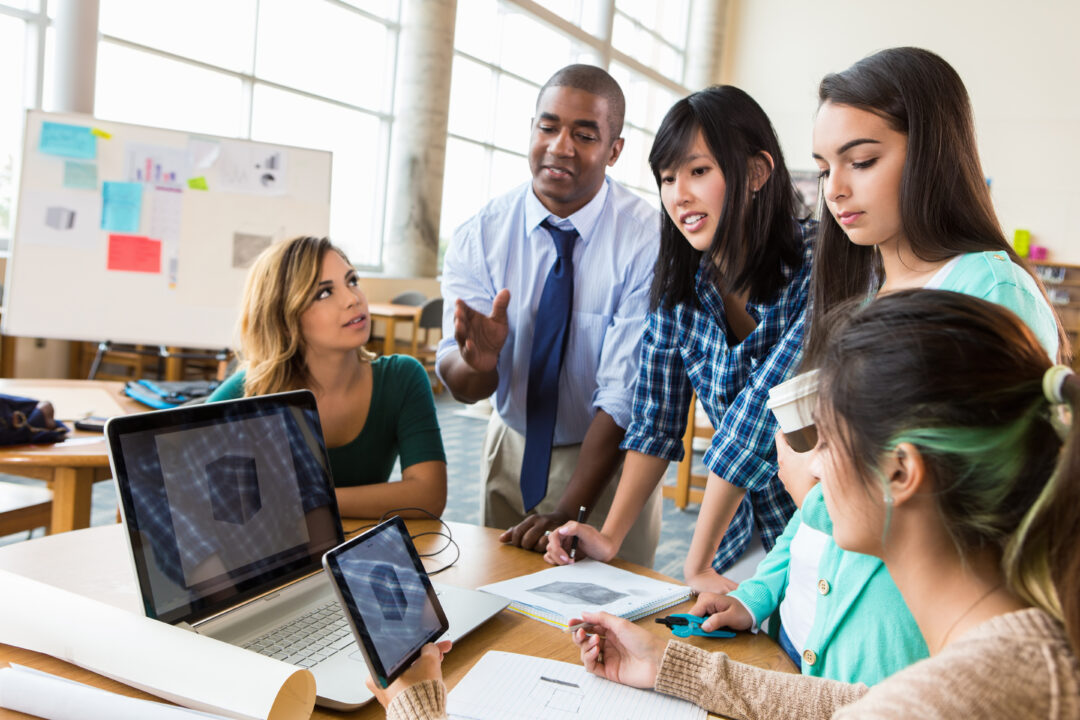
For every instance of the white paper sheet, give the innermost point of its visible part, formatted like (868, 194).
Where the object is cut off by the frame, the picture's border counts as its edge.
(61, 218)
(55, 698)
(203, 152)
(70, 403)
(166, 221)
(251, 169)
(156, 165)
(166, 661)
(507, 686)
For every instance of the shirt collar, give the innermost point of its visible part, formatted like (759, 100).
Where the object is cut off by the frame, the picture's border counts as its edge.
(584, 220)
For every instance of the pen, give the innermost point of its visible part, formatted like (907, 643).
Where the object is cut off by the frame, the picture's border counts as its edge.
(573, 542)
(589, 628)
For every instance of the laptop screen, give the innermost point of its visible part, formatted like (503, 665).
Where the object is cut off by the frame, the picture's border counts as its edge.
(223, 501)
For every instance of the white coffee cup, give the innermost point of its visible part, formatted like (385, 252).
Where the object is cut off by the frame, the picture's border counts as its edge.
(793, 403)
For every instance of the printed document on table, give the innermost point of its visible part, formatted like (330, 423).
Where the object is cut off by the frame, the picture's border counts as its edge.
(561, 593)
(508, 686)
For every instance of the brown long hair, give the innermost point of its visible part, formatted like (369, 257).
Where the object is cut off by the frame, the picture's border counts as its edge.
(945, 204)
(962, 379)
(280, 287)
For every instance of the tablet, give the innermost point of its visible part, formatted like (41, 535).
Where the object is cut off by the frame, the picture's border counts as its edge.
(387, 598)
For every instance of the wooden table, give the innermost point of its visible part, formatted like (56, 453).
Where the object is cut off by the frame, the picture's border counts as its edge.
(483, 560)
(391, 313)
(69, 468)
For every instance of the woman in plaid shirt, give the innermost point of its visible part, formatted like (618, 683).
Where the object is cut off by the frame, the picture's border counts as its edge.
(729, 300)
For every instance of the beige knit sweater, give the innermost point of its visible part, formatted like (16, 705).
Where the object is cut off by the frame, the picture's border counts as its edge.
(1014, 666)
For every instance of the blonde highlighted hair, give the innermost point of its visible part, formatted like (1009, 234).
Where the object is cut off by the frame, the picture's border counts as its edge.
(280, 287)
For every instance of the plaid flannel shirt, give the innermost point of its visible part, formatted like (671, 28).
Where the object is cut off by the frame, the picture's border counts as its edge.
(689, 347)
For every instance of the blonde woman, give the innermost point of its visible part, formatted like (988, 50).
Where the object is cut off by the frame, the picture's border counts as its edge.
(303, 325)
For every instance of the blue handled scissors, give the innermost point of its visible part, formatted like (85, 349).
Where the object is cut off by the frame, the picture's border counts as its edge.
(685, 625)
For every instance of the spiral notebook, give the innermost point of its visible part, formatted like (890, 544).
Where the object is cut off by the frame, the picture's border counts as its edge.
(559, 594)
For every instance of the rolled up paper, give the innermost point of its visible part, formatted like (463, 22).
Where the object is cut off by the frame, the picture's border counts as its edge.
(55, 698)
(169, 662)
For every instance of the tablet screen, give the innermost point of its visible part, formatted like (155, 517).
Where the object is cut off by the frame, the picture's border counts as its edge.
(387, 597)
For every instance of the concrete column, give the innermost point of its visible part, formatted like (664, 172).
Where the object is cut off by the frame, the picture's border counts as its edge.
(705, 43)
(76, 55)
(418, 142)
(76, 27)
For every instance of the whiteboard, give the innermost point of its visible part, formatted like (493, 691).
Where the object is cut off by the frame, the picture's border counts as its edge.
(144, 235)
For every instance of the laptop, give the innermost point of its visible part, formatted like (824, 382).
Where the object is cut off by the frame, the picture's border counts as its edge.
(228, 508)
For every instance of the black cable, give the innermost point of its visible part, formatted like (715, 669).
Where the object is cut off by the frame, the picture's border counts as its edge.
(448, 535)
(360, 529)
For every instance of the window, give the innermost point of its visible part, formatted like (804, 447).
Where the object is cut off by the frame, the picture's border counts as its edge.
(12, 68)
(22, 27)
(504, 50)
(646, 104)
(146, 89)
(320, 73)
(654, 32)
(317, 73)
(357, 141)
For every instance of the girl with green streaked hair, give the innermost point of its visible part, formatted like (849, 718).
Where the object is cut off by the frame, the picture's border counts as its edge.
(947, 450)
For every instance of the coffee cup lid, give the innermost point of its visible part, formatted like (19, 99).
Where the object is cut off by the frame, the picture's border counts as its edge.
(794, 388)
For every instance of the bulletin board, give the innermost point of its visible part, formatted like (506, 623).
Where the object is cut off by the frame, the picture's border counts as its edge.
(143, 235)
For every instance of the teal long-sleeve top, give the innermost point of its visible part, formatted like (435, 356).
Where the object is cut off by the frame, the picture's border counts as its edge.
(863, 631)
(401, 422)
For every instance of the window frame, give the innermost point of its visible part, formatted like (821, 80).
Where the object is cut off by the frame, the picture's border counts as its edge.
(607, 55)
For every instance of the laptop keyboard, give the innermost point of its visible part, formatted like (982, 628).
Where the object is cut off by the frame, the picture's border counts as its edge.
(308, 639)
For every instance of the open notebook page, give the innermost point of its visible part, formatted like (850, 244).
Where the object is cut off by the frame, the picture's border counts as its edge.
(507, 686)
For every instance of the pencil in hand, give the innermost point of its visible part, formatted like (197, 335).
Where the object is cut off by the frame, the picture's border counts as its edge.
(589, 628)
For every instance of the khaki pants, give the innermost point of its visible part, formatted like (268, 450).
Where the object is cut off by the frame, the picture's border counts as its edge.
(501, 502)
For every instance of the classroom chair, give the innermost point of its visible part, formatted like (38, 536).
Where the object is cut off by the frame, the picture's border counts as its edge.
(412, 298)
(24, 507)
(430, 319)
(119, 362)
(689, 486)
(415, 298)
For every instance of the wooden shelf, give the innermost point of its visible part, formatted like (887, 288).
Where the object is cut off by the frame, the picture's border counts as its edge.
(1063, 280)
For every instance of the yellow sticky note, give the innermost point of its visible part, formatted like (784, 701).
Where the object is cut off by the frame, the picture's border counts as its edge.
(197, 183)
(100, 133)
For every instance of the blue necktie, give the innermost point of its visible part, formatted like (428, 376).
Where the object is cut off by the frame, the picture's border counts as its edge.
(549, 340)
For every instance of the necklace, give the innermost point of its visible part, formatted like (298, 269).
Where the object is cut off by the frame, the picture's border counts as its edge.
(964, 614)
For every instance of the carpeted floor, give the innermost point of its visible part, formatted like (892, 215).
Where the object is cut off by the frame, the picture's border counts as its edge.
(463, 437)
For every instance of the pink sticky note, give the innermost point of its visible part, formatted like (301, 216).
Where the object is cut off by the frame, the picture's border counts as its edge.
(134, 253)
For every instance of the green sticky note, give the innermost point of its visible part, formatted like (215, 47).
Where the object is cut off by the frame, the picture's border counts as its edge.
(197, 183)
(80, 175)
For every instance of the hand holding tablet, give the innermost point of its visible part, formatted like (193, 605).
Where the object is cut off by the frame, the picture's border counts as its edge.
(387, 597)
